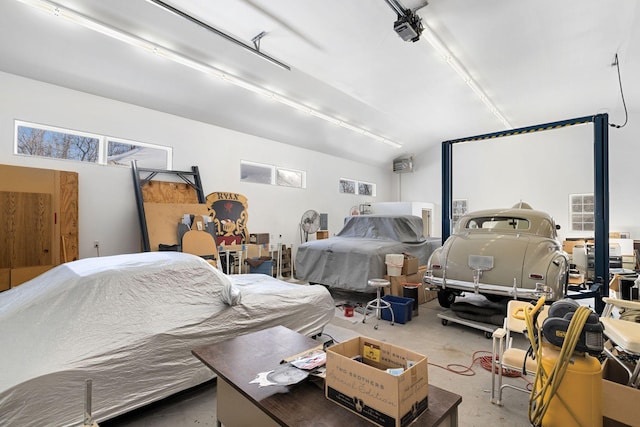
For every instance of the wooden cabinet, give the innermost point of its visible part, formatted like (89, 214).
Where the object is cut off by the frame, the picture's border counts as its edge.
(38, 222)
(26, 230)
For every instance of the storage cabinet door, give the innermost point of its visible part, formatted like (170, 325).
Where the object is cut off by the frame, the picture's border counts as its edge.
(27, 229)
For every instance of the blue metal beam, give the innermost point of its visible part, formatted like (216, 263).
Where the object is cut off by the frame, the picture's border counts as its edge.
(601, 185)
(447, 189)
(523, 130)
(601, 203)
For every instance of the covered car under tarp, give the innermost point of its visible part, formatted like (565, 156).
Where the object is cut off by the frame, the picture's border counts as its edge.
(129, 323)
(357, 253)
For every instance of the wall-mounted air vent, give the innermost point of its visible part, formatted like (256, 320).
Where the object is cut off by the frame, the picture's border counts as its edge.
(403, 164)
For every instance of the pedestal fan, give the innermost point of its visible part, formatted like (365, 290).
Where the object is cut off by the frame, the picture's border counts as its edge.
(309, 223)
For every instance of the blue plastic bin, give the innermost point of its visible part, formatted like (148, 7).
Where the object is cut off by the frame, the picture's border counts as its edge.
(401, 306)
(265, 268)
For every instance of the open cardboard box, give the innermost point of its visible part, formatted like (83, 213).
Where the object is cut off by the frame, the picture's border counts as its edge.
(356, 378)
(620, 403)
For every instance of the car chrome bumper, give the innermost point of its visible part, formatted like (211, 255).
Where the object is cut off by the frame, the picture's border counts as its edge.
(437, 283)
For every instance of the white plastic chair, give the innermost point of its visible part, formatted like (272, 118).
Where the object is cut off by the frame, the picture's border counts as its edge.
(624, 335)
(504, 355)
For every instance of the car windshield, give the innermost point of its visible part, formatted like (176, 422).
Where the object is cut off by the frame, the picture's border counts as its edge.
(497, 223)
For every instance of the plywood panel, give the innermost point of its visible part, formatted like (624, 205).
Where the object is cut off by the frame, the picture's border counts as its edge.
(6, 233)
(28, 180)
(27, 229)
(169, 192)
(24, 274)
(69, 217)
(38, 211)
(5, 279)
(163, 219)
(63, 188)
(31, 223)
(199, 243)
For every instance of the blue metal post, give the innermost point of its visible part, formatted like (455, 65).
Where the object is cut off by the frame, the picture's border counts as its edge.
(601, 203)
(447, 189)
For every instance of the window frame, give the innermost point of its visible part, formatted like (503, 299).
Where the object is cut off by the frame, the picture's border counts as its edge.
(166, 149)
(273, 180)
(102, 149)
(459, 208)
(582, 212)
(354, 185)
(347, 186)
(52, 129)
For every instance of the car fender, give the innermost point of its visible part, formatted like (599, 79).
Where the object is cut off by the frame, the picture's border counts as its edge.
(540, 258)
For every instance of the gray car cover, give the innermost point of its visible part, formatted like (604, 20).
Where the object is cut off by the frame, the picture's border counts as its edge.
(357, 253)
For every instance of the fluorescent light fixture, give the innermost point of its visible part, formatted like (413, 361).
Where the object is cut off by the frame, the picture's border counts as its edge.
(461, 71)
(291, 103)
(325, 117)
(90, 23)
(188, 62)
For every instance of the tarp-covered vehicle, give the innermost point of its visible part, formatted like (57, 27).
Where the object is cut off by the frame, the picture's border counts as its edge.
(357, 253)
(500, 253)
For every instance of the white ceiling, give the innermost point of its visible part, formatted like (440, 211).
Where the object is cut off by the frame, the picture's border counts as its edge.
(538, 61)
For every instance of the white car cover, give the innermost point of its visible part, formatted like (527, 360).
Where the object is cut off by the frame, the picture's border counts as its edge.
(129, 323)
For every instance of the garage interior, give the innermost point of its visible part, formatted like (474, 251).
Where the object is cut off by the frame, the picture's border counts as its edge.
(287, 113)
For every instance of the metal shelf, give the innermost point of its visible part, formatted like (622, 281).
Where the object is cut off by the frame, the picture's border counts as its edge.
(191, 177)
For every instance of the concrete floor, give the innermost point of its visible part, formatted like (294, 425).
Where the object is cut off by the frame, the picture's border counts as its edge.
(453, 346)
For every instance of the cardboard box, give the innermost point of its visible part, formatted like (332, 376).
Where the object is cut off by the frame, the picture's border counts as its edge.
(410, 265)
(397, 283)
(619, 401)
(322, 234)
(365, 388)
(414, 278)
(259, 238)
(430, 295)
(395, 287)
(568, 245)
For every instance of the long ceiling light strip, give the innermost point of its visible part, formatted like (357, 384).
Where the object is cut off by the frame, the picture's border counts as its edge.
(90, 23)
(461, 71)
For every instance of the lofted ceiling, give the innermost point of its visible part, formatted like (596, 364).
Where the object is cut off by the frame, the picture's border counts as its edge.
(537, 61)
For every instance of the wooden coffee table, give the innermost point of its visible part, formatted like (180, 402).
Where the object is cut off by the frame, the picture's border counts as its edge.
(239, 403)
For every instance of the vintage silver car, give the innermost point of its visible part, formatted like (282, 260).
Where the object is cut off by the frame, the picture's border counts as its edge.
(500, 253)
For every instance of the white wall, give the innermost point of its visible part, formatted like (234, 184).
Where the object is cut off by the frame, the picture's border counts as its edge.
(541, 168)
(424, 184)
(107, 203)
(410, 208)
